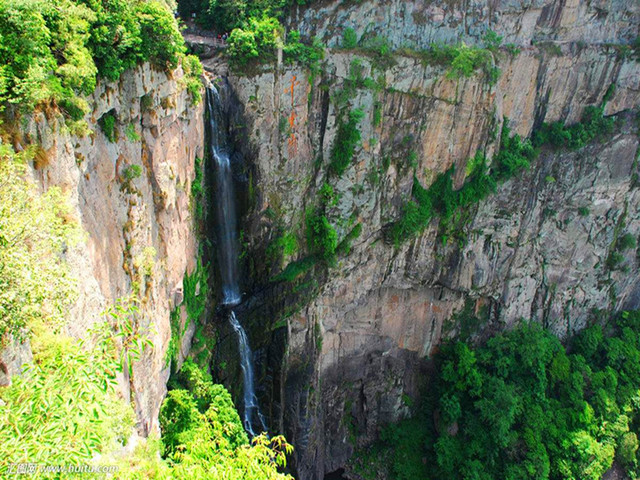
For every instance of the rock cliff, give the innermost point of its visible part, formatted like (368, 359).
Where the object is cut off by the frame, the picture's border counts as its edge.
(355, 345)
(130, 194)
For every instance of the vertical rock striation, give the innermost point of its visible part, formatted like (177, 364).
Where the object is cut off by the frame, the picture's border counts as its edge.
(536, 249)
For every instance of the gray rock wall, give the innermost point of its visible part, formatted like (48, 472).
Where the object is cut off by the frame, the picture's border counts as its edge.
(354, 353)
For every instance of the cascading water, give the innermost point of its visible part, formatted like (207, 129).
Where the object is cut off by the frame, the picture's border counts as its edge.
(228, 255)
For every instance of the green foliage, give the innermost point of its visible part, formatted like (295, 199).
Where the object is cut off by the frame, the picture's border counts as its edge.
(195, 290)
(243, 46)
(257, 39)
(64, 408)
(522, 406)
(193, 77)
(204, 437)
(125, 326)
(583, 211)
(294, 269)
(515, 154)
(131, 172)
(322, 239)
(35, 230)
(441, 200)
(132, 134)
(308, 55)
(108, 126)
(377, 114)
(344, 247)
(462, 60)
(492, 41)
(349, 38)
(285, 245)
(626, 241)
(592, 126)
(380, 51)
(347, 139)
(161, 42)
(198, 197)
(52, 52)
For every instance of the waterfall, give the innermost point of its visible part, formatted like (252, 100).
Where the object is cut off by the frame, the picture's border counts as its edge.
(228, 255)
(225, 203)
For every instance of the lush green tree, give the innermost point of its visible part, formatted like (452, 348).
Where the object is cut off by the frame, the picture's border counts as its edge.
(53, 52)
(204, 437)
(64, 409)
(522, 406)
(161, 40)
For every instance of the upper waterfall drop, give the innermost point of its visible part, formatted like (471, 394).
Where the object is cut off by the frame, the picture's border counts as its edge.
(225, 199)
(228, 256)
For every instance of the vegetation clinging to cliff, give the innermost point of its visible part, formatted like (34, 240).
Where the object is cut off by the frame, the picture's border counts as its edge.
(347, 139)
(523, 406)
(514, 155)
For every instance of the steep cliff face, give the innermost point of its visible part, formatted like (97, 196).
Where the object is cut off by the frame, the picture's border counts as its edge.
(537, 249)
(130, 193)
(417, 23)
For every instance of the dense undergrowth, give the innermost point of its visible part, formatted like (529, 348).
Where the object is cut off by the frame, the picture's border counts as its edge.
(524, 406)
(53, 53)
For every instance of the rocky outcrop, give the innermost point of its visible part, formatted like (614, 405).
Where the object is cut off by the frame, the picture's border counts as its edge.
(537, 249)
(418, 23)
(131, 197)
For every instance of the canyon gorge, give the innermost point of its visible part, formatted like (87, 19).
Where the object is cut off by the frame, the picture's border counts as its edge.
(340, 344)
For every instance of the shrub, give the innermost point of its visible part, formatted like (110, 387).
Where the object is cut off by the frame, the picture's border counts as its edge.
(64, 408)
(462, 60)
(294, 269)
(285, 245)
(35, 284)
(308, 55)
(492, 41)
(349, 38)
(379, 49)
(583, 211)
(132, 172)
(204, 437)
(193, 77)
(347, 139)
(322, 239)
(344, 247)
(108, 126)
(514, 155)
(626, 241)
(132, 134)
(197, 199)
(593, 125)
